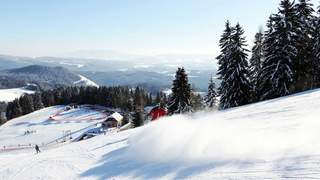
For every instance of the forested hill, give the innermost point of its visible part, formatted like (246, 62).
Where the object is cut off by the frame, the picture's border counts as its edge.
(43, 76)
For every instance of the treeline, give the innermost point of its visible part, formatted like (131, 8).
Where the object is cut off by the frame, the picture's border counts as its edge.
(285, 57)
(126, 98)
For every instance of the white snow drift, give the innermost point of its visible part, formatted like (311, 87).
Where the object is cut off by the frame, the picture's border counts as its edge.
(277, 139)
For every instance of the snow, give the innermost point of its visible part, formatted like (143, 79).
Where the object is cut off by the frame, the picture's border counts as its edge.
(276, 139)
(44, 130)
(85, 81)
(8, 95)
(167, 92)
(118, 117)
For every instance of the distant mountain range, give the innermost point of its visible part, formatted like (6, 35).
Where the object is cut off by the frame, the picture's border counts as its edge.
(154, 73)
(160, 63)
(152, 81)
(43, 76)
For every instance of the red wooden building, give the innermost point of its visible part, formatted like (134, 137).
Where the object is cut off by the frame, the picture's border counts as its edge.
(157, 112)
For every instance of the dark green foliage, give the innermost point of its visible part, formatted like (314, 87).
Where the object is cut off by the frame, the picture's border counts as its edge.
(225, 44)
(256, 62)
(211, 96)
(26, 103)
(37, 101)
(315, 70)
(303, 64)
(180, 100)
(138, 117)
(140, 99)
(47, 98)
(277, 76)
(14, 109)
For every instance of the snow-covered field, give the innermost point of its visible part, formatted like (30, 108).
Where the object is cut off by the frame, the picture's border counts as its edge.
(277, 139)
(8, 95)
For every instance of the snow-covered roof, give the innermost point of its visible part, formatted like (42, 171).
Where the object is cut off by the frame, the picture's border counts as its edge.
(116, 116)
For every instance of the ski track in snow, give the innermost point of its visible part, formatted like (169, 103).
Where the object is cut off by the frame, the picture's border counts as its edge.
(276, 139)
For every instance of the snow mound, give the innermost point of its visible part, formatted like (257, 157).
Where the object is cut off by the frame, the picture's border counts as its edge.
(8, 95)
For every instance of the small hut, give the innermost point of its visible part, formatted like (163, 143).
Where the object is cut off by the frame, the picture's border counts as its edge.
(113, 121)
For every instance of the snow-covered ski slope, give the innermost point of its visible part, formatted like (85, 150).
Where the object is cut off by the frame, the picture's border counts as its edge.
(277, 139)
(39, 128)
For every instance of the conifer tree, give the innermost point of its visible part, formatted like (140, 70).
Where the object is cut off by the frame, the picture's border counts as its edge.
(14, 110)
(180, 101)
(276, 78)
(140, 99)
(303, 63)
(235, 88)
(37, 102)
(196, 102)
(225, 44)
(211, 96)
(138, 117)
(26, 103)
(47, 98)
(256, 62)
(137, 120)
(315, 70)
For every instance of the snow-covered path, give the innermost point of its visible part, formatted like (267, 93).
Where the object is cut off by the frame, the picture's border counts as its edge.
(277, 139)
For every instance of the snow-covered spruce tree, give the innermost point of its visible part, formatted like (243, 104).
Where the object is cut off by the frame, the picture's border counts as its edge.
(26, 103)
(211, 96)
(140, 97)
(276, 78)
(303, 64)
(315, 70)
(225, 44)
(180, 100)
(138, 118)
(47, 98)
(14, 109)
(37, 101)
(197, 102)
(235, 88)
(256, 62)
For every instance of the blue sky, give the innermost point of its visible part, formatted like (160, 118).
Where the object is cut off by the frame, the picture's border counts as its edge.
(53, 27)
